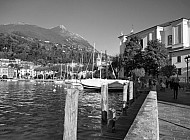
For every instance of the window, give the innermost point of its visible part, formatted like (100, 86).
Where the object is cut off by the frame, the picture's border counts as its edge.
(170, 40)
(177, 33)
(179, 59)
(150, 36)
(141, 42)
(179, 71)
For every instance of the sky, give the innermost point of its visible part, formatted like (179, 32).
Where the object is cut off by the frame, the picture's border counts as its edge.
(98, 21)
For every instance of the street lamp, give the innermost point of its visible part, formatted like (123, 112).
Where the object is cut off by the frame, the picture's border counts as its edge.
(187, 61)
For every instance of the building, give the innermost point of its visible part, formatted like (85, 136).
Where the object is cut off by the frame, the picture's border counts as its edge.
(23, 69)
(175, 35)
(26, 72)
(11, 73)
(6, 62)
(3, 71)
(6, 72)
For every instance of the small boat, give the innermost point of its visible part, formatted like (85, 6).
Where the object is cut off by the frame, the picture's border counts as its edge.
(32, 80)
(14, 80)
(70, 81)
(95, 84)
(59, 81)
(77, 86)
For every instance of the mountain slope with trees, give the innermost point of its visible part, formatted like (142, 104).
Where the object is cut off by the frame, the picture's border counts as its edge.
(43, 46)
(55, 35)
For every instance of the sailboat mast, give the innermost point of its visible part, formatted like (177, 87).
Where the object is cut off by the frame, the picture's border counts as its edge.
(72, 68)
(101, 65)
(82, 58)
(106, 64)
(67, 71)
(61, 71)
(93, 61)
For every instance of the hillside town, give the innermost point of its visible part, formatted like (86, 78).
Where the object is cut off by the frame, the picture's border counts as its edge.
(24, 69)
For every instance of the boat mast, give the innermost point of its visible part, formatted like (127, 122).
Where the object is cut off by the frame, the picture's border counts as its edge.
(61, 71)
(72, 70)
(93, 61)
(67, 71)
(101, 65)
(106, 64)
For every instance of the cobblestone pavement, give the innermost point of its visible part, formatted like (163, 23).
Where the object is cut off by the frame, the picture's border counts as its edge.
(174, 115)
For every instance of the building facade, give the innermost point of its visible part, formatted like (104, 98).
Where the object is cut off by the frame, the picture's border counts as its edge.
(175, 35)
(24, 69)
(7, 72)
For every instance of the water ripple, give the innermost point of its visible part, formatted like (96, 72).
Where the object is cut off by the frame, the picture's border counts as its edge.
(33, 111)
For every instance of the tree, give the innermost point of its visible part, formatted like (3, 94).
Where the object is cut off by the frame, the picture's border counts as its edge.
(168, 70)
(152, 58)
(155, 57)
(116, 65)
(132, 49)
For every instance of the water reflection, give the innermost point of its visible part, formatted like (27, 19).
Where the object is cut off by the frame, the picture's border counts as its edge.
(35, 111)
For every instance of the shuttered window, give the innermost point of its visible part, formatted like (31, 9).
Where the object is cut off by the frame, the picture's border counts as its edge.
(170, 40)
(177, 33)
(179, 59)
(179, 71)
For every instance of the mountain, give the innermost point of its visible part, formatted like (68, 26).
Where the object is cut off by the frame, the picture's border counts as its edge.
(57, 34)
(43, 46)
(71, 38)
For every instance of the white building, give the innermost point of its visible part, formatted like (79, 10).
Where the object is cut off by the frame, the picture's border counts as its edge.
(26, 73)
(175, 35)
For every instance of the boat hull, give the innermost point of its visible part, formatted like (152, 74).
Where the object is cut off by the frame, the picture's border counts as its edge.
(95, 84)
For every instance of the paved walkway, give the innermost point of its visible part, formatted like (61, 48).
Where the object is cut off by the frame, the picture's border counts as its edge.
(174, 115)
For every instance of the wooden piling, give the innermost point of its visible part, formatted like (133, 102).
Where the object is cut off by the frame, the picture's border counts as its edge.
(104, 103)
(111, 119)
(125, 94)
(71, 113)
(131, 92)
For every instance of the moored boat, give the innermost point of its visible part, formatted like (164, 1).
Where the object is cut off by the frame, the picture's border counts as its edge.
(59, 81)
(95, 84)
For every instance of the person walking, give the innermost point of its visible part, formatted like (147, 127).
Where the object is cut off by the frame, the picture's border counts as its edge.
(176, 86)
(150, 83)
(171, 84)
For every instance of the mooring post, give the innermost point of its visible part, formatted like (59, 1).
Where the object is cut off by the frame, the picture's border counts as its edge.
(111, 119)
(125, 94)
(130, 92)
(104, 103)
(71, 113)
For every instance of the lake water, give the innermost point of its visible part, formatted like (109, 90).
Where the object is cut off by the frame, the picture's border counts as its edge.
(35, 111)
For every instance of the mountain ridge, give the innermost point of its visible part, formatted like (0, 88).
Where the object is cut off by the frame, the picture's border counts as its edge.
(44, 46)
(58, 34)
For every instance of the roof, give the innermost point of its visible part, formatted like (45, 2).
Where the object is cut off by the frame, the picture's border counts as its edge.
(159, 25)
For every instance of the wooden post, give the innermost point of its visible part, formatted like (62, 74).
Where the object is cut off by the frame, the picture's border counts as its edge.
(104, 103)
(111, 119)
(130, 92)
(125, 91)
(71, 112)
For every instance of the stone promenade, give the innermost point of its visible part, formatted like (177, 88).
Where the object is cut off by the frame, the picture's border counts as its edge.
(174, 115)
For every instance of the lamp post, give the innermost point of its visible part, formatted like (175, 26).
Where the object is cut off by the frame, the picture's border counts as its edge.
(187, 61)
